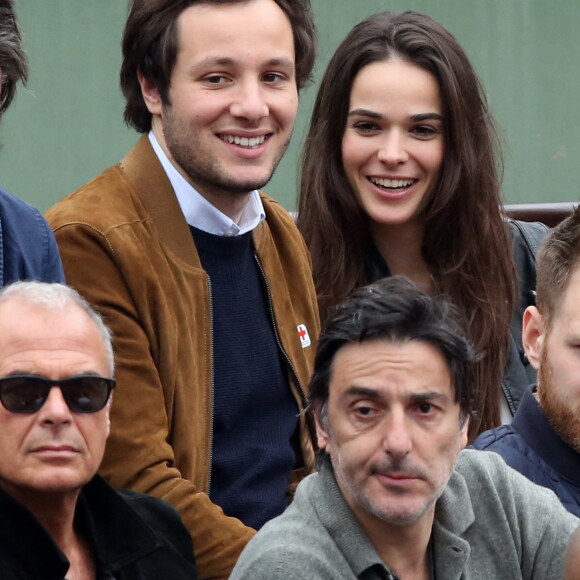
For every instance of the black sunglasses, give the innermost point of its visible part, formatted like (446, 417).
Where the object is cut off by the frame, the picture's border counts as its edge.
(82, 394)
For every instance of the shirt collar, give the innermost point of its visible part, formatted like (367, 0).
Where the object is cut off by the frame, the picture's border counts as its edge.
(199, 212)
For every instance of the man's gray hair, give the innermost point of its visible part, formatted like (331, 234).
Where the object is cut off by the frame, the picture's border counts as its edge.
(54, 297)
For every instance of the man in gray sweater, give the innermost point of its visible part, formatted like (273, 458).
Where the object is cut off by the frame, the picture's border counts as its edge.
(395, 497)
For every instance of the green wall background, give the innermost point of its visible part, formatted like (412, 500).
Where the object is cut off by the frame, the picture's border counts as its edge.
(66, 126)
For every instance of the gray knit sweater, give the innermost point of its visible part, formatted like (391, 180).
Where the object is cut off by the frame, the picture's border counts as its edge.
(491, 523)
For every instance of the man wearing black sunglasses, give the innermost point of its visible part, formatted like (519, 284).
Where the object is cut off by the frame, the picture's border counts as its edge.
(59, 518)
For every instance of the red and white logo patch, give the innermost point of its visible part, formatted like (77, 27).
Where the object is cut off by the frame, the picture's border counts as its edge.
(304, 336)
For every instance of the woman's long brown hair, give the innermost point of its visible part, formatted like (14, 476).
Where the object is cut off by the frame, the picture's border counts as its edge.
(466, 242)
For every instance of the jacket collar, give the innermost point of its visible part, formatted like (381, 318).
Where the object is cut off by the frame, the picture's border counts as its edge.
(116, 533)
(533, 425)
(339, 520)
(152, 186)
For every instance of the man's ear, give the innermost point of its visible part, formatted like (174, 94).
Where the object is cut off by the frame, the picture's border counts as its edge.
(108, 408)
(321, 424)
(533, 335)
(150, 94)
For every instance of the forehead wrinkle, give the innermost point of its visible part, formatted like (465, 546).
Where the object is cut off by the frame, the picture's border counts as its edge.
(416, 396)
(399, 369)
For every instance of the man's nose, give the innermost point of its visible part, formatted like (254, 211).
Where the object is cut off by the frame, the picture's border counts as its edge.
(250, 102)
(397, 440)
(55, 410)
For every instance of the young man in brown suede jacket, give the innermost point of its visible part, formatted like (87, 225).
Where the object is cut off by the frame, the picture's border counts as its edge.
(205, 282)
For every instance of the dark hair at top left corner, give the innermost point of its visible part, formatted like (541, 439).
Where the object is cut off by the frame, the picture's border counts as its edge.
(396, 310)
(13, 60)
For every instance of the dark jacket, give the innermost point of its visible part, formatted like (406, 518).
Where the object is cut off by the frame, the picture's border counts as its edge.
(132, 536)
(28, 250)
(531, 446)
(526, 239)
(519, 373)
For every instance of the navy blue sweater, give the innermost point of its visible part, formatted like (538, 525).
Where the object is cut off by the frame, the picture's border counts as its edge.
(255, 412)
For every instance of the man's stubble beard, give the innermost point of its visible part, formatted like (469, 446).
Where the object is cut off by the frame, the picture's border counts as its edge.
(205, 173)
(564, 421)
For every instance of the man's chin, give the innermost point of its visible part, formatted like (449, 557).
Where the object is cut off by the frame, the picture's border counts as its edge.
(397, 510)
(243, 185)
(234, 185)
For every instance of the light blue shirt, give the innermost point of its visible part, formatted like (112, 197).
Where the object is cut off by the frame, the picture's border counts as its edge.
(199, 212)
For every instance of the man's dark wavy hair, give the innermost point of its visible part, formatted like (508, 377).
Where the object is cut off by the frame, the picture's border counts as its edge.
(396, 310)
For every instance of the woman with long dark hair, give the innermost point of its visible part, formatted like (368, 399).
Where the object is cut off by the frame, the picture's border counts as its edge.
(401, 176)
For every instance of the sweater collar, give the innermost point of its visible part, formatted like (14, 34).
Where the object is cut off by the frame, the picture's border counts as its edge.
(453, 516)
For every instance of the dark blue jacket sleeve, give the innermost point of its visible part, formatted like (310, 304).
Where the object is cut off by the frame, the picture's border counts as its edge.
(28, 250)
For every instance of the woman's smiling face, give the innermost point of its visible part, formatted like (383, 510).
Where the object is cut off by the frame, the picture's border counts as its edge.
(392, 146)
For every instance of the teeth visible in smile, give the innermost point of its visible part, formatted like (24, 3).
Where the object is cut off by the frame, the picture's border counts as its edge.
(244, 141)
(392, 183)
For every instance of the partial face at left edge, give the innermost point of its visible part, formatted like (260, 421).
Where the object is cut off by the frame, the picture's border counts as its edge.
(555, 352)
(53, 450)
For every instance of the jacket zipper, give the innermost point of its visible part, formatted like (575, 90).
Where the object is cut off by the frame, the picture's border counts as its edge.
(509, 398)
(211, 385)
(276, 335)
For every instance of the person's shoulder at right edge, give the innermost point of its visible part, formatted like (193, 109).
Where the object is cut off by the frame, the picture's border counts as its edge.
(28, 250)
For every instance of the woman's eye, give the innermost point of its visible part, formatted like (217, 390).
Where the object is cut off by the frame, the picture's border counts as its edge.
(365, 127)
(424, 131)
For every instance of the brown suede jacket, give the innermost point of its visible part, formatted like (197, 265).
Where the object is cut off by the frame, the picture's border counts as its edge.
(126, 247)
